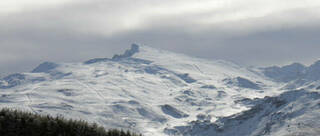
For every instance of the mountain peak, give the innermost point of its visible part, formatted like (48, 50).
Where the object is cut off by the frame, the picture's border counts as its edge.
(45, 67)
(285, 73)
(135, 48)
(316, 64)
(128, 53)
(295, 65)
(293, 72)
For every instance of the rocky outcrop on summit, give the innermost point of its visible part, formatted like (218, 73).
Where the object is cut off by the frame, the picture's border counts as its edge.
(128, 53)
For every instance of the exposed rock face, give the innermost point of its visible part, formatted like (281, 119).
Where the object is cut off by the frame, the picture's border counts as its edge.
(185, 77)
(171, 111)
(128, 53)
(208, 87)
(96, 60)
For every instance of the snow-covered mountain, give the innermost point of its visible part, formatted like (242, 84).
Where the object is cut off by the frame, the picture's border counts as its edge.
(161, 93)
(295, 75)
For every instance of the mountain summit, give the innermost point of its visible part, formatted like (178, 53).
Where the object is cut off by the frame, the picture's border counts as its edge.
(129, 53)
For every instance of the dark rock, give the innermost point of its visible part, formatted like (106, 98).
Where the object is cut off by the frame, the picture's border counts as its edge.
(169, 110)
(128, 53)
(185, 77)
(245, 83)
(96, 60)
(208, 87)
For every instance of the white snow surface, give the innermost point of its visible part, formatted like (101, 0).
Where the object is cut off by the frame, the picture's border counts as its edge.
(153, 92)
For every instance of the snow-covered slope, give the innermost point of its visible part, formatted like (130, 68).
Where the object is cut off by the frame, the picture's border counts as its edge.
(293, 113)
(147, 90)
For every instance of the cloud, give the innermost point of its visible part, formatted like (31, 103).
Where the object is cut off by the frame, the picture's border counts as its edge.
(110, 17)
(251, 32)
(10, 6)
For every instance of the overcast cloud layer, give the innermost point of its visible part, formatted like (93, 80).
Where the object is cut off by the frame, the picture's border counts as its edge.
(249, 32)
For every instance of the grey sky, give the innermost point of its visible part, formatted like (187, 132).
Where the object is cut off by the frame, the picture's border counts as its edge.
(249, 32)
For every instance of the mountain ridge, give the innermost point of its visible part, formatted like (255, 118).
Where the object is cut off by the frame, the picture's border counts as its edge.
(144, 89)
